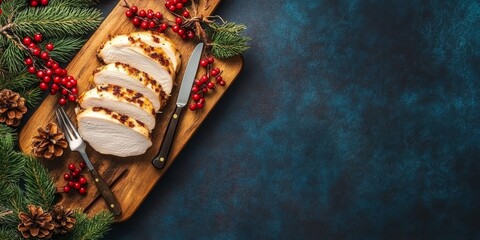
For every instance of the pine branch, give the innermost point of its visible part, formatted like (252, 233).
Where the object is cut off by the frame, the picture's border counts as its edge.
(65, 48)
(21, 81)
(8, 233)
(12, 58)
(72, 3)
(11, 162)
(56, 21)
(6, 130)
(39, 186)
(227, 40)
(94, 228)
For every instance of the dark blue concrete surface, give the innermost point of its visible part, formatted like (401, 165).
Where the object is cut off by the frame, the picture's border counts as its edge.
(351, 120)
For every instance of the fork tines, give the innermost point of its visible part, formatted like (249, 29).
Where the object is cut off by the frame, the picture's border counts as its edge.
(66, 124)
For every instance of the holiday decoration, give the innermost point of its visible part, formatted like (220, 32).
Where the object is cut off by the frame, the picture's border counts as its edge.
(12, 107)
(36, 223)
(75, 180)
(49, 142)
(35, 40)
(27, 208)
(63, 219)
(222, 39)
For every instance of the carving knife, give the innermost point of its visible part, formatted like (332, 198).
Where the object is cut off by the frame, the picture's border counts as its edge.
(183, 96)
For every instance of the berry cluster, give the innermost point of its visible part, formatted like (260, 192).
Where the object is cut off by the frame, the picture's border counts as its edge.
(75, 179)
(155, 21)
(52, 77)
(36, 3)
(203, 85)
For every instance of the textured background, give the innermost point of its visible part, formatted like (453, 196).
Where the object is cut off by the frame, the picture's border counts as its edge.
(351, 120)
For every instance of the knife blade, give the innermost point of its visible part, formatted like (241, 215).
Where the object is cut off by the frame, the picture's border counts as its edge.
(185, 88)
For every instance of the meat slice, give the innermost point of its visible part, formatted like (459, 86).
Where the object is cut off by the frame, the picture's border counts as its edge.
(121, 100)
(125, 76)
(156, 39)
(151, 60)
(112, 133)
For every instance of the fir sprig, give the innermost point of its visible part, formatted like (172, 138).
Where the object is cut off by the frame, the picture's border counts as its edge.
(55, 21)
(39, 187)
(65, 48)
(227, 39)
(72, 3)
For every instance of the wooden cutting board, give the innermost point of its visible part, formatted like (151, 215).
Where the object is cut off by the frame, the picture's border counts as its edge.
(131, 178)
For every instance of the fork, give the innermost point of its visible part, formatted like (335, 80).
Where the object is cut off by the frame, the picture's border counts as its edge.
(76, 143)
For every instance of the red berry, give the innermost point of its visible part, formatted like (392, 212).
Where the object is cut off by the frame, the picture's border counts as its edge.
(134, 9)
(211, 60)
(47, 79)
(72, 98)
(172, 8)
(149, 11)
(204, 63)
(158, 15)
(56, 79)
(32, 69)
(192, 107)
(49, 46)
(73, 82)
(48, 72)
(184, 1)
(74, 174)
(40, 74)
(136, 21)
(28, 61)
(199, 105)
(222, 83)
(178, 20)
(77, 171)
(204, 90)
(219, 78)
(74, 90)
(43, 86)
(44, 2)
(71, 183)
(71, 167)
(164, 26)
(144, 25)
(82, 165)
(186, 14)
(77, 185)
(195, 89)
(142, 13)
(36, 51)
(66, 176)
(64, 92)
(53, 92)
(175, 28)
(211, 85)
(129, 13)
(82, 190)
(150, 14)
(27, 40)
(63, 81)
(38, 37)
(55, 86)
(66, 189)
(58, 71)
(202, 100)
(190, 34)
(204, 79)
(181, 31)
(55, 66)
(152, 24)
(179, 5)
(82, 180)
(44, 55)
(168, 4)
(214, 72)
(197, 82)
(68, 85)
(34, 3)
(32, 45)
(62, 101)
(196, 97)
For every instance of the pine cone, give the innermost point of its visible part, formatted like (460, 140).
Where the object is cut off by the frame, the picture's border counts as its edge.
(12, 107)
(63, 219)
(49, 142)
(36, 223)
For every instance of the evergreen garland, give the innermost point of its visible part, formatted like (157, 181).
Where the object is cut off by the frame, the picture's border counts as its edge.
(23, 181)
(64, 22)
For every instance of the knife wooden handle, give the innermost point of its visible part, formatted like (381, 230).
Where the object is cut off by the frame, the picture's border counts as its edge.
(106, 193)
(161, 158)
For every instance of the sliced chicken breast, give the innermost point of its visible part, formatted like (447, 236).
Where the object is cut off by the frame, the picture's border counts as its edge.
(121, 100)
(151, 60)
(125, 76)
(156, 39)
(112, 133)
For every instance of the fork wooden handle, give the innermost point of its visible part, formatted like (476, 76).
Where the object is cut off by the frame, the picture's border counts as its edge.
(106, 193)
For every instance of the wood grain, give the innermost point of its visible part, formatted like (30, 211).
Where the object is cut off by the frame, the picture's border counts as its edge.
(134, 177)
